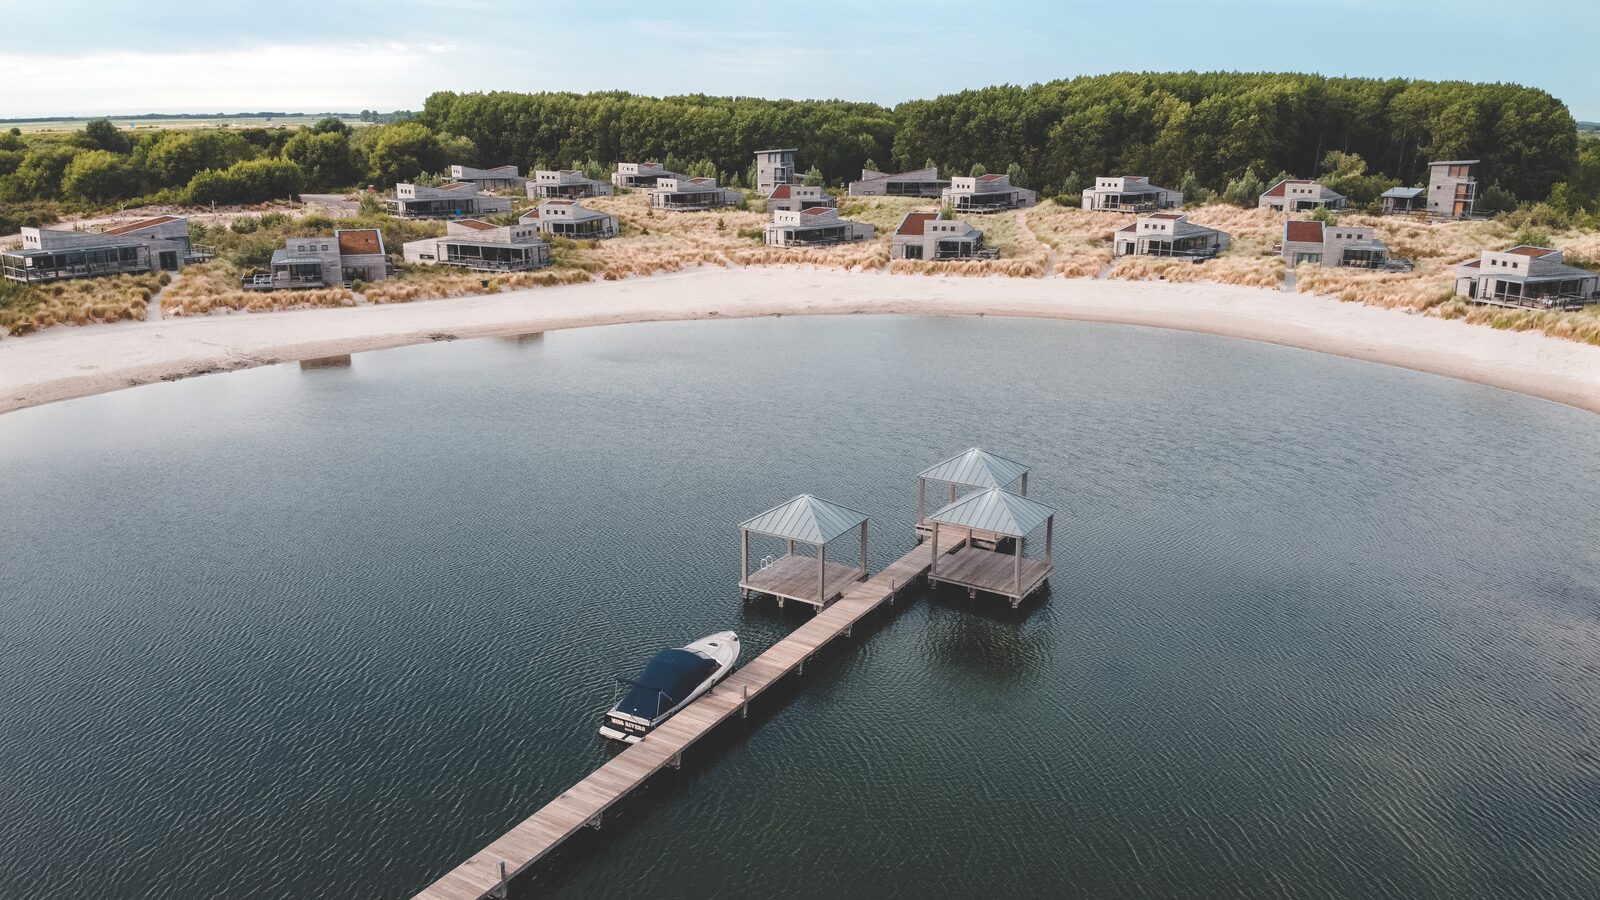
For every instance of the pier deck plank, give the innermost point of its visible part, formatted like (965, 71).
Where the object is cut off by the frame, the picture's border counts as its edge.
(585, 802)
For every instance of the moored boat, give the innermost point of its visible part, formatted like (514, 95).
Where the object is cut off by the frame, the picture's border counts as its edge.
(670, 681)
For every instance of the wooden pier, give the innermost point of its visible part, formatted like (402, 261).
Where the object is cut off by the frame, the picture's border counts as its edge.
(587, 801)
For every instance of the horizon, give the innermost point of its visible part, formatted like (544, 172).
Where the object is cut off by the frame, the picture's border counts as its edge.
(424, 46)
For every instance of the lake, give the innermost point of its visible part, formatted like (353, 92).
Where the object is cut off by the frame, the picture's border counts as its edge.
(1318, 627)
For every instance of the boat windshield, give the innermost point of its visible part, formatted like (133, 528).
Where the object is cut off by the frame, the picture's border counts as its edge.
(665, 682)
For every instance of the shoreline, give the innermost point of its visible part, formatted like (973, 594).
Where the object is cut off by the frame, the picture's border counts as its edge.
(72, 362)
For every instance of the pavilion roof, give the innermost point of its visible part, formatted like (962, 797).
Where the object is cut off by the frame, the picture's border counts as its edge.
(976, 468)
(996, 511)
(808, 519)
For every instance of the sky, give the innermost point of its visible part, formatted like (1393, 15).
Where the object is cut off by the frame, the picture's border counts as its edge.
(136, 56)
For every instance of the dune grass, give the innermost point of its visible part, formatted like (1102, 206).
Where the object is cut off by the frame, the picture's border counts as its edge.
(25, 309)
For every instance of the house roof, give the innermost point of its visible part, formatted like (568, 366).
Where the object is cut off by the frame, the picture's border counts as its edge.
(141, 225)
(1454, 162)
(1131, 226)
(976, 467)
(806, 518)
(1303, 232)
(455, 185)
(781, 192)
(503, 170)
(1165, 216)
(914, 223)
(818, 210)
(1472, 264)
(997, 511)
(358, 241)
(1404, 193)
(988, 178)
(475, 224)
(530, 214)
(1531, 251)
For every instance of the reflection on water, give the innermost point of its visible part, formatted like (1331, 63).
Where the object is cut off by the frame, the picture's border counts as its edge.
(986, 637)
(279, 636)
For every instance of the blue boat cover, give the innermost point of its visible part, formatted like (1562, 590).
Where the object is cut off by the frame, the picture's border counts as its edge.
(665, 682)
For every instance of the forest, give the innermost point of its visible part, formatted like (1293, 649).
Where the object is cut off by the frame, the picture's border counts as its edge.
(1216, 134)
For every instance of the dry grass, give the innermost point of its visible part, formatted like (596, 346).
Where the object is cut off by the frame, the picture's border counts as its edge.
(1082, 240)
(1248, 271)
(437, 282)
(1582, 325)
(26, 309)
(214, 287)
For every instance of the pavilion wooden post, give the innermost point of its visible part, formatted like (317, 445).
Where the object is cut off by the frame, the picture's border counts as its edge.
(1024, 484)
(1016, 570)
(791, 548)
(863, 548)
(922, 500)
(822, 575)
(1049, 539)
(744, 556)
(933, 564)
(952, 492)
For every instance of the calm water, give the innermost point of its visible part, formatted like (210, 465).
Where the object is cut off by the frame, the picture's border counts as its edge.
(1319, 628)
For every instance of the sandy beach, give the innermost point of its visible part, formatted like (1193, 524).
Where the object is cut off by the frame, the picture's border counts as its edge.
(68, 362)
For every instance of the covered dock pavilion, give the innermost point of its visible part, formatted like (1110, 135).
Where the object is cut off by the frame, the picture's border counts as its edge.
(811, 522)
(999, 512)
(973, 468)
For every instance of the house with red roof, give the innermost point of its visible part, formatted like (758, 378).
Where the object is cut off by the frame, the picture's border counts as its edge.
(1168, 234)
(922, 234)
(1351, 246)
(1300, 195)
(148, 245)
(1527, 277)
(986, 193)
(790, 197)
(815, 226)
(305, 263)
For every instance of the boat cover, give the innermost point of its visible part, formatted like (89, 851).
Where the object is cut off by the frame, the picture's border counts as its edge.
(665, 682)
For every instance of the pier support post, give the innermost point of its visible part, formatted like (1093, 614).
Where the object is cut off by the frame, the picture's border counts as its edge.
(676, 761)
(595, 822)
(498, 892)
(744, 705)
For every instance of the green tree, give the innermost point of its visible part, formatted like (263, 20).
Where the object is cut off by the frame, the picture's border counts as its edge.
(403, 151)
(99, 176)
(1016, 175)
(1194, 193)
(978, 170)
(101, 134)
(326, 157)
(1495, 199)
(812, 178)
(176, 156)
(330, 125)
(870, 165)
(1245, 191)
(38, 176)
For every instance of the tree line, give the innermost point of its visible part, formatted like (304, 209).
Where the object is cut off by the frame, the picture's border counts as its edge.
(1217, 134)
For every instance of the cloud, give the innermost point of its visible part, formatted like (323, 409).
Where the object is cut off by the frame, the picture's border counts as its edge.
(285, 77)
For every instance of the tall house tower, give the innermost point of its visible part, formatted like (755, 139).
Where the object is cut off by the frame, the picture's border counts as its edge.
(774, 167)
(1452, 188)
